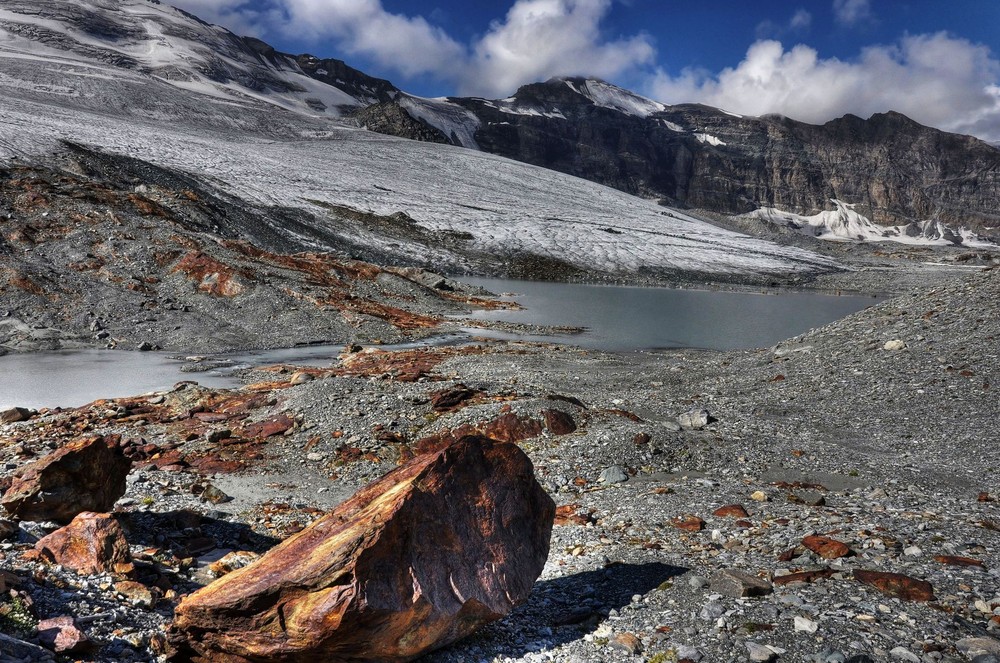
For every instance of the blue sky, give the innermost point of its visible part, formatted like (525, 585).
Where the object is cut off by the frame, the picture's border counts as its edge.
(936, 61)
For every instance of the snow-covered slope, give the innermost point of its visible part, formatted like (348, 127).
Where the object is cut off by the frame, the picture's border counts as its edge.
(606, 95)
(129, 77)
(845, 223)
(164, 43)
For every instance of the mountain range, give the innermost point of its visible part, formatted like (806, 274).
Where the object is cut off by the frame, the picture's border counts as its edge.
(146, 61)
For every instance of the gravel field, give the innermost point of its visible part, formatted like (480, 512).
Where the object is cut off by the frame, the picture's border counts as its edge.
(877, 431)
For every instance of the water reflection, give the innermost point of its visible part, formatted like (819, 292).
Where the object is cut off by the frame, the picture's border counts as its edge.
(628, 318)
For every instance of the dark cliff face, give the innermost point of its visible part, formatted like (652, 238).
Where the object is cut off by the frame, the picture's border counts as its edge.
(895, 169)
(356, 83)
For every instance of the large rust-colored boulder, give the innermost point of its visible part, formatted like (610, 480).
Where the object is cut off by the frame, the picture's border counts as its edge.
(85, 475)
(92, 543)
(416, 560)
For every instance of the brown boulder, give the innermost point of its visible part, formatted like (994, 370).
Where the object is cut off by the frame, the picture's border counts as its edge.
(688, 523)
(559, 422)
(826, 547)
(896, 585)
(416, 560)
(15, 414)
(731, 511)
(92, 543)
(85, 475)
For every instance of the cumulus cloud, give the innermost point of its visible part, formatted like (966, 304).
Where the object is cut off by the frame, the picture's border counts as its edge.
(936, 79)
(543, 38)
(852, 12)
(537, 39)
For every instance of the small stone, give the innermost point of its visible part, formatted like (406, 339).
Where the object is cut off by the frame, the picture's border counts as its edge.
(627, 642)
(973, 647)
(894, 345)
(300, 377)
(232, 561)
(688, 523)
(712, 611)
(913, 551)
(730, 582)
(689, 653)
(613, 474)
(693, 419)
(63, 636)
(896, 585)
(826, 547)
(698, 582)
(214, 495)
(805, 624)
(15, 414)
(137, 593)
(731, 511)
(954, 560)
(758, 496)
(759, 652)
(904, 654)
(8, 529)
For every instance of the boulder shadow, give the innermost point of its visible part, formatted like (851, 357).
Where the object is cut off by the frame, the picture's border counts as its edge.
(186, 533)
(563, 610)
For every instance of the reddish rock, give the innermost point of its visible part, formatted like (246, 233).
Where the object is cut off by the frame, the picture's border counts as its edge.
(137, 593)
(641, 439)
(955, 560)
(452, 398)
(416, 560)
(896, 585)
(85, 475)
(569, 514)
(826, 547)
(511, 428)
(731, 511)
(804, 576)
(61, 635)
(92, 543)
(984, 497)
(558, 422)
(688, 523)
(267, 428)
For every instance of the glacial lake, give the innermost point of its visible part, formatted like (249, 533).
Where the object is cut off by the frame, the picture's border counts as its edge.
(607, 317)
(618, 318)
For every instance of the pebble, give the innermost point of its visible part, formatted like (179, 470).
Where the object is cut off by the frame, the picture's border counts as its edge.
(759, 652)
(614, 474)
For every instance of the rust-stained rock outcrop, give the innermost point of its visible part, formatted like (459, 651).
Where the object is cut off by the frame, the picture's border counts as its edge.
(87, 474)
(416, 560)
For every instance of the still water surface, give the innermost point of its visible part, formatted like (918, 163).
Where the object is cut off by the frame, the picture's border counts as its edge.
(624, 318)
(611, 318)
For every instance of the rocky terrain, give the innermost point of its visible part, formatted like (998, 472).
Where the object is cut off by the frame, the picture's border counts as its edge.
(168, 185)
(712, 506)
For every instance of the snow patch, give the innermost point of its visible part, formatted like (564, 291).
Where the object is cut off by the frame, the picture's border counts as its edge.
(709, 139)
(847, 224)
(450, 119)
(606, 95)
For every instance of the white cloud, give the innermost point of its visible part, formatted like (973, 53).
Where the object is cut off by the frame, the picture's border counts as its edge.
(936, 79)
(543, 38)
(537, 39)
(852, 12)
